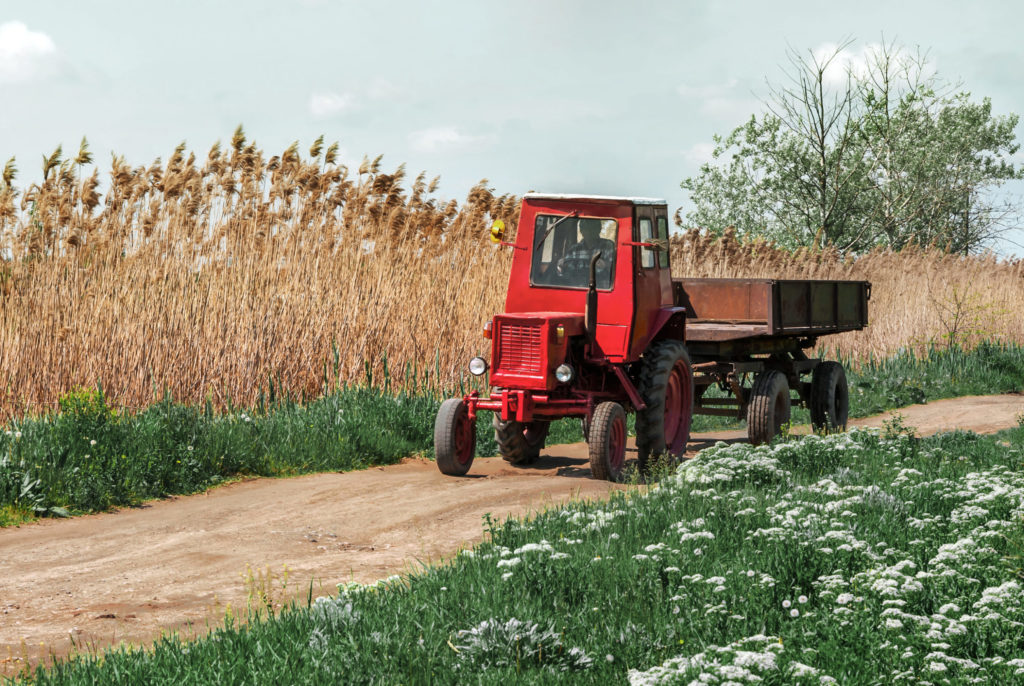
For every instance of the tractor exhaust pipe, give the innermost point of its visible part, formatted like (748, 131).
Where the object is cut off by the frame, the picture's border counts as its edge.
(590, 313)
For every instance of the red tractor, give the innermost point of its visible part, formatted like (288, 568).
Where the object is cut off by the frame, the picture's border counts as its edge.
(595, 326)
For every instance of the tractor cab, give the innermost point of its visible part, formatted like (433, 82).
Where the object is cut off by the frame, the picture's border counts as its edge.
(564, 240)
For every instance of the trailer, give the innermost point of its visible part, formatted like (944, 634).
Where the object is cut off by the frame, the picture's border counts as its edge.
(595, 327)
(739, 331)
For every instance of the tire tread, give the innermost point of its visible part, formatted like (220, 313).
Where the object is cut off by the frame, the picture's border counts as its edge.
(761, 408)
(513, 444)
(827, 377)
(650, 423)
(444, 438)
(600, 429)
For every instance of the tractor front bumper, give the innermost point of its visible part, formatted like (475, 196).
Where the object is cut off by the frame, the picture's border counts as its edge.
(525, 406)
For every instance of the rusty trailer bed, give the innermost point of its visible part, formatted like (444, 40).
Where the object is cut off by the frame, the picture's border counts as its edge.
(720, 310)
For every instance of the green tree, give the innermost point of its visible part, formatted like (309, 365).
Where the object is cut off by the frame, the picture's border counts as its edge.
(887, 155)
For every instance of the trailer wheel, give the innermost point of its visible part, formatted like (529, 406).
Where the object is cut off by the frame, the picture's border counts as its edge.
(769, 406)
(666, 386)
(608, 442)
(454, 438)
(830, 397)
(520, 443)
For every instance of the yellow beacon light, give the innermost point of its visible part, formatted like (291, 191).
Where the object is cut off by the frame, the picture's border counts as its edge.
(497, 231)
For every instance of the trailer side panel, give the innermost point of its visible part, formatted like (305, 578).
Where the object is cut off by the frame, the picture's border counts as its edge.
(734, 309)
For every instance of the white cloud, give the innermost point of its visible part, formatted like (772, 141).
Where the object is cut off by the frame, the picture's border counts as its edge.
(446, 138)
(853, 61)
(25, 55)
(325, 105)
(858, 61)
(699, 153)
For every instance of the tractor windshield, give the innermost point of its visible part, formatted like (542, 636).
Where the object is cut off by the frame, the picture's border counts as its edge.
(561, 259)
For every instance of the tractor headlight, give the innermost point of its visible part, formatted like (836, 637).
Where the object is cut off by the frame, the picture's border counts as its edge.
(477, 366)
(564, 373)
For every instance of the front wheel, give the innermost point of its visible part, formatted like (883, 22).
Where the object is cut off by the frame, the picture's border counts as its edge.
(454, 438)
(607, 443)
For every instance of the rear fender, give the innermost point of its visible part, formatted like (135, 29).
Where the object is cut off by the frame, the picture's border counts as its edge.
(669, 324)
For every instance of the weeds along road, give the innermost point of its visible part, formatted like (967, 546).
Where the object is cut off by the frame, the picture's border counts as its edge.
(178, 564)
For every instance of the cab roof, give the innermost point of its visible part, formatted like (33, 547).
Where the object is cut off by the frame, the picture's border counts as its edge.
(594, 198)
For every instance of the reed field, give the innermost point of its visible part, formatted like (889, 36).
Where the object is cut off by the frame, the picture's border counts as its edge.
(212, 277)
(210, 281)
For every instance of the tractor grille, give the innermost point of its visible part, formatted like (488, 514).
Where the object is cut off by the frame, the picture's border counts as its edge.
(519, 349)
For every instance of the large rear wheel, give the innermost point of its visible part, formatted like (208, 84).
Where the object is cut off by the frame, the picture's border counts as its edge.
(769, 407)
(520, 443)
(666, 386)
(830, 398)
(454, 438)
(608, 442)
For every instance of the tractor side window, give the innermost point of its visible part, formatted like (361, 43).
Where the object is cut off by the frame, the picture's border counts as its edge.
(563, 247)
(646, 234)
(663, 238)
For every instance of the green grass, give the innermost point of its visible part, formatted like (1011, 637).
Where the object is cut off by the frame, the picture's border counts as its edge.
(89, 457)
(877, 385)
(13, 516)
(859, 558)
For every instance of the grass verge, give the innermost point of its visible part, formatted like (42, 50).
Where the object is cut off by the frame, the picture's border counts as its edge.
(856, 559)
(89, 457)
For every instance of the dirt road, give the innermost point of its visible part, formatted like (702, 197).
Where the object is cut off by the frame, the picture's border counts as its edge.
(126, 576)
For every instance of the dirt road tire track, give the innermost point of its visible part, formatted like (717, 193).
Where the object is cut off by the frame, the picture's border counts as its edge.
(129, 575)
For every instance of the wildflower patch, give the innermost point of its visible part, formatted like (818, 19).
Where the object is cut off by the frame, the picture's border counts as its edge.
(857, 558)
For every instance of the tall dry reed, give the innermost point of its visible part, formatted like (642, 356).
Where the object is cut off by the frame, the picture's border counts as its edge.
(920, 296)
(210, 279)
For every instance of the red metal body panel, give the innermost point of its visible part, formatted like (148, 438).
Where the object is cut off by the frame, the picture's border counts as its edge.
(525, 348)
(652, 285)
(614, 307)
(526, 405)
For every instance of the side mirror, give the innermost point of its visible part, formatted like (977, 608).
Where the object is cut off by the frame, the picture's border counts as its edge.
(497, 231)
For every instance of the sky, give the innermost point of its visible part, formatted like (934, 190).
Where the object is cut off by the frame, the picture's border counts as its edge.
(592, 97)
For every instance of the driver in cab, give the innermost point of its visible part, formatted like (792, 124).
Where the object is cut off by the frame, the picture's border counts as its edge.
(575, 264)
